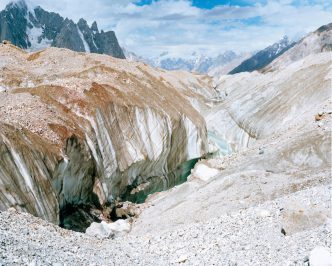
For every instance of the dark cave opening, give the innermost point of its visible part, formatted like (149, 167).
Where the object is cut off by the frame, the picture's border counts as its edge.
(79, 217)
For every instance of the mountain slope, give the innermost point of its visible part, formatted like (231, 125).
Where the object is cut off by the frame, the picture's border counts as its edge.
(264, 57)
(37, 29)
(314, 43)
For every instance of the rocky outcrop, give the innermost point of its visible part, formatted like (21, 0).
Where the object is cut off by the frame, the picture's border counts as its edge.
(83, 128)
(36, 29)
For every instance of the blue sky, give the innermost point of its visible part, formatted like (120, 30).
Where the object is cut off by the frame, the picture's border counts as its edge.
(209, 4)
(181, 27)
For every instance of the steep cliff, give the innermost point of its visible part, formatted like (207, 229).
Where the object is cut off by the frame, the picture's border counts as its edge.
(84, 128)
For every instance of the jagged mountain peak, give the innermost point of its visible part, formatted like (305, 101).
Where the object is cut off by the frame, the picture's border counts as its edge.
(35, 29)
(17, 4)
(94, 26)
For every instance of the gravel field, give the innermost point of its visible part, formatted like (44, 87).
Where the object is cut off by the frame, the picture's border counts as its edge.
(247, 237)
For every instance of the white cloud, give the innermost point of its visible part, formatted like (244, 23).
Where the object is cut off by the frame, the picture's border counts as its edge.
(180, 28)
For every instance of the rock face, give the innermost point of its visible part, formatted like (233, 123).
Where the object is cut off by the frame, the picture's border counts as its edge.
(37, 29)
(83, 128)
(264, 57)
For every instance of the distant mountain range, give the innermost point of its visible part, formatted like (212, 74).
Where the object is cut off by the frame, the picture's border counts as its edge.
(35, 29)
(225, 63)
(220, 64)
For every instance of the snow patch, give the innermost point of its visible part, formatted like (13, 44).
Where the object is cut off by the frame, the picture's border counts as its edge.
(86, 45)
(34, 36)
(93, 41)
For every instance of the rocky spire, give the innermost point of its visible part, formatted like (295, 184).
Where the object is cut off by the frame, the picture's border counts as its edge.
(94, 27)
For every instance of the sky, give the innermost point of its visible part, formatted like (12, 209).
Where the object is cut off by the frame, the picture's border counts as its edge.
(182, 27)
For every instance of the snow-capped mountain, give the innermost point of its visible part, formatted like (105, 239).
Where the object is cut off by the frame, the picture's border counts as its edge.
(35, 29)
(194, 63)
(264, 57)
